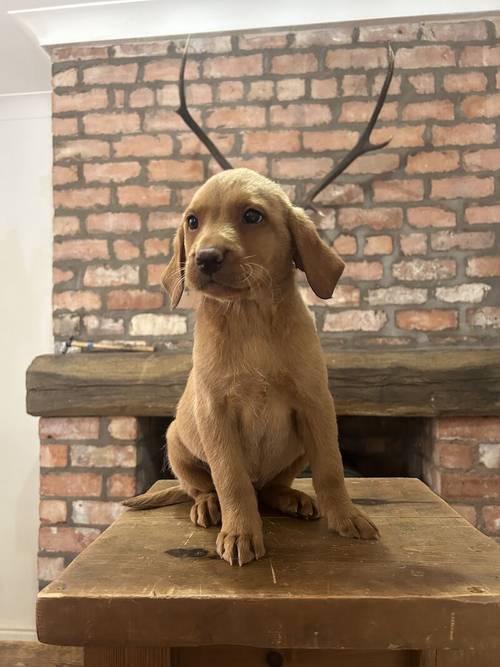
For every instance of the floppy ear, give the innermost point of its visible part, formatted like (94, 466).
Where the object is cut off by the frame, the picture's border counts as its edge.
(173, 277)
(321, 264)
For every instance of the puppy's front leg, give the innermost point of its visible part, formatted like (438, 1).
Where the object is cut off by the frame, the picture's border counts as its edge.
(321, 443)
(240, 539)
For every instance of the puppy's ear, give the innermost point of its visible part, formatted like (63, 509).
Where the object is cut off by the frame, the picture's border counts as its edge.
(172, 278)
(321, 264)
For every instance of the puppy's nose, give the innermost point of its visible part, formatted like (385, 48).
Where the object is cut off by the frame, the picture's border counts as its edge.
(209, 260)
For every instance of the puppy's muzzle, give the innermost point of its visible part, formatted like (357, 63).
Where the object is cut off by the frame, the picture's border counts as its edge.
(209, 260)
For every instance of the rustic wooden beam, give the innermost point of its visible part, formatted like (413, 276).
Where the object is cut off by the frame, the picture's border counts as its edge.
(379, 382)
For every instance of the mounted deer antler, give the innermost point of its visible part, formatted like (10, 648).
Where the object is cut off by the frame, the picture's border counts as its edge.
(363, 145)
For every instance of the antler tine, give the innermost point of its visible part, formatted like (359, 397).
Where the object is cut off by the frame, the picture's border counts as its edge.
(184, 113)
(363, 144)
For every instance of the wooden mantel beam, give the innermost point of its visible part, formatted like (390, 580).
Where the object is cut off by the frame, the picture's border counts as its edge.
(364, 382)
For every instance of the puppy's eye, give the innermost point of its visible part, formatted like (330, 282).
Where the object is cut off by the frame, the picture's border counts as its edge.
(192, 222)
(252, 217)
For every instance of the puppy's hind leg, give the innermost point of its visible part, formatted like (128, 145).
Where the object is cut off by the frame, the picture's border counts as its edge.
(278, 494)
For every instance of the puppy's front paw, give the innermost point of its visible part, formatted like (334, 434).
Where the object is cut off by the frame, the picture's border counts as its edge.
(352, 522)
(240, 544)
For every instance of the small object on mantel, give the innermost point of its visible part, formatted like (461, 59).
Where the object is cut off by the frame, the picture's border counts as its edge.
(152, 589)
(108, 346)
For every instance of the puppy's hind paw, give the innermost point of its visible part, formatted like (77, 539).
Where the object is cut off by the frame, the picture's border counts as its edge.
(205, 511)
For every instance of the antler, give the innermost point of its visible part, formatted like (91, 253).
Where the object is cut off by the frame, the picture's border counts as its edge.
(363, 144)
(184, 113)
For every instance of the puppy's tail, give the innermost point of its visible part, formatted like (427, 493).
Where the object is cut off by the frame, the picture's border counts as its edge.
(148, 500)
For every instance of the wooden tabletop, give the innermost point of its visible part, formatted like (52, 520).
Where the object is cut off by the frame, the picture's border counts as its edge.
(153, 579)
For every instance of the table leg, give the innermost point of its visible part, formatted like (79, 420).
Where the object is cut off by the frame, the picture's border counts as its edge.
(97, 656)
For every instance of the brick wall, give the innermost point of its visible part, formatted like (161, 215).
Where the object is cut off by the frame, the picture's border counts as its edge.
(417, 223)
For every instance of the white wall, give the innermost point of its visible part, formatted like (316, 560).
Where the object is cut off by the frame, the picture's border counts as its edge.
(25, 331)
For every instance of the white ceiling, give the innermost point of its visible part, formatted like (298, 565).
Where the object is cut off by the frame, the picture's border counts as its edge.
(34, 22)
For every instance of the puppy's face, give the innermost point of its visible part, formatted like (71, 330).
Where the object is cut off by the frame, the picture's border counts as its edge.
(240, 236)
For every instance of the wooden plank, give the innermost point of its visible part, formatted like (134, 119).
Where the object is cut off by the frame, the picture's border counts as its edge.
(364, 382)
(34, 654)
(153, 579)
(97, 656)
(464, 658)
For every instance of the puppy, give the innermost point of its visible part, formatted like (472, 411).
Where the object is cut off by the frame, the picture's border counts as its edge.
(257, 408)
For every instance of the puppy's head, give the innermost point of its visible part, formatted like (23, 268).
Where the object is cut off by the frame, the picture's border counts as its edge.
(240, 235)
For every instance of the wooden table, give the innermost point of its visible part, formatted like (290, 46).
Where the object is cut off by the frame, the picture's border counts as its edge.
(151, 592)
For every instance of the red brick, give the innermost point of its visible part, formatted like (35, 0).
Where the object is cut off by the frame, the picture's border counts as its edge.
(482, 429)
(65, 225)
(400, 137)
(355, 320)
(66, 539)
(155, 272)
(467, 511)
(138, 195)
(134, 300)
(63, 175)
(323, 37)
(426, 56)
(81, 149)
(462, 240)
(95, 512)
(82, 249)
(53, 511)
(258, 164)
(97, 98)
(385, 32)
(204, 45)
(333, 140)
(123, 428)
(294, 63)
(485, 106)
(345, 244)
(363, 270)
(227, 91)
(378, 82)
(191, 145)
(339, 195)
(64, 126)
(110, 74)
(164, 220)
(360, 112)
(201, 93)
(424, 269)
(429, 216)
(70, 428)
(452, 31)
(108, 456)
(82, 198)
(450, 455)
(143, 145)
(261, 90)
(374, 164)
(433, 161)
(480, 56)
(301, 167)
(424, 84)
(53, 456)
(427, 320)
(236, 117)
(65, 78)
(478, 215)
(462, 187)
(141, 97)
(378, 245)
(271, 142)
(487, 317)
(61, 53)
(175, 170)
(103, 326)
(491, 517)
(376, 218)
(344, 295)
(468, 82)
(467, 292)
(120, 486)
(483, 160)
(352, 84)
(113, 223)
(290, 89)
(167, 69)
(106, 276)
(49, 568)
(463, 134)
(398, 190)
(258, 42)
(76, 300)
(456, 485)
(396, 295)
(305, 115)
(154, 247)
(439, 109)
(116, 172)
(413, 244)
(111, 123)
(233, 67)
(125, 250)
(60, 276)
(83, 484)
(356, 58)
(118, 98)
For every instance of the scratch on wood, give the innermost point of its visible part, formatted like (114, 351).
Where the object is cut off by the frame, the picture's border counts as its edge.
(273, 573)
(188, 538)
(452, 625)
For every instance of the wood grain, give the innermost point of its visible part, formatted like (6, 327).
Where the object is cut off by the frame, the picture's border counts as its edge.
(34, 654)
(364, 382)
(153, 579)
